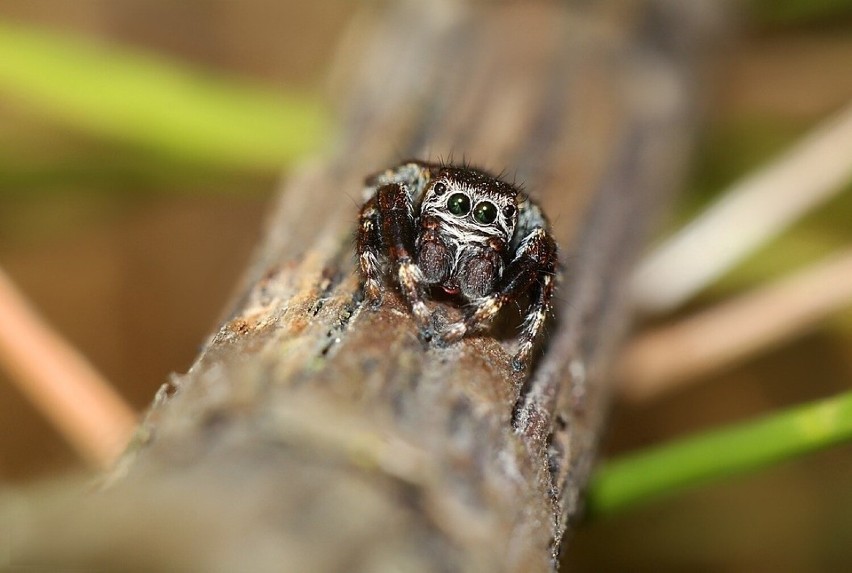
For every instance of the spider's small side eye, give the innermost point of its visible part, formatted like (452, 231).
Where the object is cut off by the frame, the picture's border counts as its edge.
(508, 211)
(458, 204)
(440, 188)
(485, 212)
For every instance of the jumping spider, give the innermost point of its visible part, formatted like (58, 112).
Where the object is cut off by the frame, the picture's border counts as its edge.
(465, 231)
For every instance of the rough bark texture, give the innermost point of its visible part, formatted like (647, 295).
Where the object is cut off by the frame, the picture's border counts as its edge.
(314, 434)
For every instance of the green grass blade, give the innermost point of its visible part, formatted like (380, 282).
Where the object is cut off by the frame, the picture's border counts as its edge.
(797, 12)
(718, 454)
(156, 103)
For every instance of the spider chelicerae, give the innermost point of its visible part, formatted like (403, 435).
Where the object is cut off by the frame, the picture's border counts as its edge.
(462, 230)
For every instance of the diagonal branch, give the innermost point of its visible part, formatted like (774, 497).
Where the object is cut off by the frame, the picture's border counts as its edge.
(315, 434)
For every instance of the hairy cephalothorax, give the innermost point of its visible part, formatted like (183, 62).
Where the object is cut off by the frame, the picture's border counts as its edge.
(464, 231)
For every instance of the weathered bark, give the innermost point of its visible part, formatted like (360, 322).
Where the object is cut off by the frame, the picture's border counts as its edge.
(314, 434)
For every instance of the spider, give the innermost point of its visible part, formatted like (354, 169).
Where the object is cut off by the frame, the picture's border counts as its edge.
(464, 231)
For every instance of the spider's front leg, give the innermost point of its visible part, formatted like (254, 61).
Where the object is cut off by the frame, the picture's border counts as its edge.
(387, 222)
(370, 251)
(540, 305)
(532, 270)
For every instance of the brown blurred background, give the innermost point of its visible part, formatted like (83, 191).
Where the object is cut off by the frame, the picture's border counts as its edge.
(134, 267)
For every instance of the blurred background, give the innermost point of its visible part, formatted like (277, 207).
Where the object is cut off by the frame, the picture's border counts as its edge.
(132, 252)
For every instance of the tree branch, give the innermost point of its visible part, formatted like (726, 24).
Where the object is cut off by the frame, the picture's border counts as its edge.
(314, 434)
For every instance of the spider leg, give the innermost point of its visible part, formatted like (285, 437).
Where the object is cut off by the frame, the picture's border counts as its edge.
(369, 251)
(396, 217)
(532, 268)
(540, 305)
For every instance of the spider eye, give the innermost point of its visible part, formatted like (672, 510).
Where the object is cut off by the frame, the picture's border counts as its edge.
(485, 212)
(440, 188)
(508, 211)
(458, 204)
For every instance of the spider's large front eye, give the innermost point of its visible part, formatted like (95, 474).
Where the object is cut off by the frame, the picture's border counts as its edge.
(485, 212)
(458, 204)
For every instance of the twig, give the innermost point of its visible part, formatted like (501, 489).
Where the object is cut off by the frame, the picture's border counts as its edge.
(752, 212)
(670, 356)
(319, 434)
(70, 393)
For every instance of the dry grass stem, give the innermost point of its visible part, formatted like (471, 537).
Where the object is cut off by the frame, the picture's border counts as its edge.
(670, 356)
(64, 387)
(752, 212)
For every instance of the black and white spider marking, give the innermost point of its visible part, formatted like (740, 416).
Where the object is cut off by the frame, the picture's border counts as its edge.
(464, 231)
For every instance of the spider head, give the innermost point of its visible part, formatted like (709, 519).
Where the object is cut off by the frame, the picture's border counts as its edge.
(467, 219)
